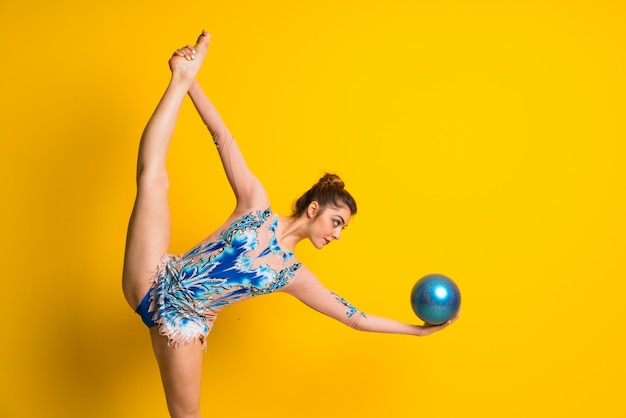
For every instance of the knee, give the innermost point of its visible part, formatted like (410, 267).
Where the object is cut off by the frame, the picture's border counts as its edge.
(184, 411)
(153, 178)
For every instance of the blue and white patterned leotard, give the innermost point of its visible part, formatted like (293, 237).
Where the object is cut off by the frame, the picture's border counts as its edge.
(244, 261)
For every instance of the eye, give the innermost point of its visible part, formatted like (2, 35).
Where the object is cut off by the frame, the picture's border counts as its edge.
(336, 223)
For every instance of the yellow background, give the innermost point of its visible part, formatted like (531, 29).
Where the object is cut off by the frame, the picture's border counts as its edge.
(482, 139)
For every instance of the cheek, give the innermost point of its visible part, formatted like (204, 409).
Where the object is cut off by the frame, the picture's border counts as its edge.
(322, 226)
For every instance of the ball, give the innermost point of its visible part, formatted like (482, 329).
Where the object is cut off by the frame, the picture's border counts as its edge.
(435, 299)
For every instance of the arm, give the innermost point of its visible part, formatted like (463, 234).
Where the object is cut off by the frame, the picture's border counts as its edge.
(310, 291)
(247, 188)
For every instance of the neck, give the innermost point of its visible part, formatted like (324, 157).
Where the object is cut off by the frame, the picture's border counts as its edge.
(290, 232)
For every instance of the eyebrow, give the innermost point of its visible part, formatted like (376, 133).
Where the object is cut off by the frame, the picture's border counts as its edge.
(342, 220)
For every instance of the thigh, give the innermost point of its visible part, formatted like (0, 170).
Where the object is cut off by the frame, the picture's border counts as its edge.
(148, 236)
(181, 374)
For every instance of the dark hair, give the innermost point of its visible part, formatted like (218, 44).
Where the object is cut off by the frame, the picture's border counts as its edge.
(329, 190)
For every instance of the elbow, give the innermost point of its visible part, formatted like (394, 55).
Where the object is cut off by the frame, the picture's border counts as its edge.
(358, 321)
(220, 136)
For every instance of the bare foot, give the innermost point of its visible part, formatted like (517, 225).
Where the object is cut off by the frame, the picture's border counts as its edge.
(186, 61)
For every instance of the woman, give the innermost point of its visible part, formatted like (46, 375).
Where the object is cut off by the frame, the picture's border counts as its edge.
(251, 254)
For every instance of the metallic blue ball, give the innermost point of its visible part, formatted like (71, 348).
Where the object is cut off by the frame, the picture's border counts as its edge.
(435, 299)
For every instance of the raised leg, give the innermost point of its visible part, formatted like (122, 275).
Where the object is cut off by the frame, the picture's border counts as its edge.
(148, 236)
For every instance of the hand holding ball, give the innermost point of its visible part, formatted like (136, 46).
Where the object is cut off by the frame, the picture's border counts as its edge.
(435, 299)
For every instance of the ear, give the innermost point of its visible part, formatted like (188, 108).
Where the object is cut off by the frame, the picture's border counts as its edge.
(313, 209)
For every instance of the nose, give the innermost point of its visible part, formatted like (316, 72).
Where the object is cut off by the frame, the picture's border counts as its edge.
(337, 233)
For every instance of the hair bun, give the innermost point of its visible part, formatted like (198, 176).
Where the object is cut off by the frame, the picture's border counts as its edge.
(328, 191)
(332, 180)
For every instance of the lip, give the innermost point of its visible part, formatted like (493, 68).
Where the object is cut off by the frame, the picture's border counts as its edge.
(326, 242)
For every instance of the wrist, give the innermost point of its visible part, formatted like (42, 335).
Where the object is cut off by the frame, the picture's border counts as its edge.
(420, 331)
(194, 85)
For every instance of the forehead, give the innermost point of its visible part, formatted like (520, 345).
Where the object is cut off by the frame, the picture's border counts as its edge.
(341, 211)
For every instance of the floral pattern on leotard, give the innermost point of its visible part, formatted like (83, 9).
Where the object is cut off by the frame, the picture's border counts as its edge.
(191, 289)
(351, 308)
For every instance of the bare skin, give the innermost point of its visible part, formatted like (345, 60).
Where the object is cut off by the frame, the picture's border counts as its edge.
(148, 237)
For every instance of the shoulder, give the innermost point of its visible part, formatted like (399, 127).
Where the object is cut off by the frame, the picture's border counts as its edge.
(303, 279)
(262, 213)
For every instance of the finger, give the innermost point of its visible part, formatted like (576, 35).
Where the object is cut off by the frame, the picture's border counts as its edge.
(191, 51)
(454, 318)
(187, 52)
(182, 52)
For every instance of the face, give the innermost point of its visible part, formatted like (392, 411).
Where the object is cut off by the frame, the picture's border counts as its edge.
(327, 223)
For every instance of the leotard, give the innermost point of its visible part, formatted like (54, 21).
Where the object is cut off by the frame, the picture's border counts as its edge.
(244, 261)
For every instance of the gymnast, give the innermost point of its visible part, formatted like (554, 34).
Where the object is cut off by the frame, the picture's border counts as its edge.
(251, 254)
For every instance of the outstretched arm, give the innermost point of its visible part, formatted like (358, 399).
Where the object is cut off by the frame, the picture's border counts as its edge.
(310, 291)
(247, 188)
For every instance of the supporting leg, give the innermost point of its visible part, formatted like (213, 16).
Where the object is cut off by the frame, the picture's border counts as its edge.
(181, 374)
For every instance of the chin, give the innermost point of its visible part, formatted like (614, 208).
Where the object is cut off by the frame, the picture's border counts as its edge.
(318, 246)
